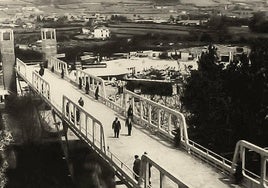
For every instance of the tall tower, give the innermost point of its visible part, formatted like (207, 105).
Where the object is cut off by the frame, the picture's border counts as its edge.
(49, 43)
(8, 59)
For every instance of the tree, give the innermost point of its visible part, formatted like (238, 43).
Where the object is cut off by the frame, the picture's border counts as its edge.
(259, 23)
(204, 99)
(247, 85)
(227, 104)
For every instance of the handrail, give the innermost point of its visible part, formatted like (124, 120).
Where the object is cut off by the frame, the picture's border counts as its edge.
(240, 155)
(120, 163)
(179, 115)
(21, 67)
(147, 162)
(71, 114)
(207, 151)
(93, 82)
(41, 85)
(58, 65)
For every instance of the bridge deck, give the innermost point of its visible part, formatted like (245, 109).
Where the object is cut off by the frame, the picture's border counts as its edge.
(189, 170)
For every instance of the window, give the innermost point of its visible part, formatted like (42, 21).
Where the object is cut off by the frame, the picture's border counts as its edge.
(48, 35)
(6, 36)
(53, 35)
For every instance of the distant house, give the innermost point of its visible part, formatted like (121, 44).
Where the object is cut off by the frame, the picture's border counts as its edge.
(101, 33)
(86, 31)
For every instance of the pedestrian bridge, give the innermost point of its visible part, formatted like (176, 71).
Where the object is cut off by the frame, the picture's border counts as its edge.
(164, 166)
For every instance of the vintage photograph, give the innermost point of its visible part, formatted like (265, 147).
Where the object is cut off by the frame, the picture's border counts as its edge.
(133, 93)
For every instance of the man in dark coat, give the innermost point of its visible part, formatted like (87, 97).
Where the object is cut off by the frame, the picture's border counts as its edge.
(62, 73)
(81, 102)
(130, 112)
(136, 167)
(116, 127)
(97, 93)
(80, 83)
(129, 125)
(87, 86)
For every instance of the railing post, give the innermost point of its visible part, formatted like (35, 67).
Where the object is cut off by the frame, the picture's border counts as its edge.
(150, 114)
(86, 124)
(103, 88)
(74, 112)
(169, 124)
(93, 131)
(146, 174)
(141, 110)
(263, 171)
(162, 180)
(159, 118)
(101, 146)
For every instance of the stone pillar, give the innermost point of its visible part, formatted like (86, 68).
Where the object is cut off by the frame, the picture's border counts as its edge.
(49, 43)
(8, 59)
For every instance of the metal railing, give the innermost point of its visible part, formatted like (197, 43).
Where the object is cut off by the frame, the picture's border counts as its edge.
(89, 126)
(209, 156)
(82, 78)
(251, 179)
(41, 85)
(146, 164)
(58, 66)
(158, 117)
(21, 67)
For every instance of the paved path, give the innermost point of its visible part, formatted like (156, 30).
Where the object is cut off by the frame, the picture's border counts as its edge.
(189, 170)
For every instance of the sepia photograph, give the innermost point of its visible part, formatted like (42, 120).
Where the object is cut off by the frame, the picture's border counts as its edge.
(133, 93)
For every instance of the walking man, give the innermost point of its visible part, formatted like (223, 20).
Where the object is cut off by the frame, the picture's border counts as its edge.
(81, 102)
(87, 86)
(130, 112)
(80, 83)
(116, 127)
(136, 167)
(128, 124)
(97, 93)
(62, 73)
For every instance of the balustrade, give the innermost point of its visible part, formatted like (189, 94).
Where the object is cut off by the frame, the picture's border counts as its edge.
(58, 66)
(93, 82)
(41, 85)
(21, 67)
(89, 127)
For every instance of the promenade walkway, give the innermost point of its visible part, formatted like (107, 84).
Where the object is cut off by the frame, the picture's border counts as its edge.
(193, 172)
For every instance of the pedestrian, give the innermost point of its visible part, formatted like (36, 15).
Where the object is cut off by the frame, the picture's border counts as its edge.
(128, 124)
(136, 167)
(81, 102)
(116, 127)
(150, 166)
(97, 93)
(77, 116)
(62, 73)
(41, 71)
(130, 112)
(177, 137)
(67, 109)
(87, 86)
(80, 83)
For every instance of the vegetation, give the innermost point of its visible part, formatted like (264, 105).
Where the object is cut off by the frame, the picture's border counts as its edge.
(23, 110)
(259, 23)
(229, 103)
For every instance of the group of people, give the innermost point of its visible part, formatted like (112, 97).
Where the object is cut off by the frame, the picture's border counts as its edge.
(137, 168)
(80, 81)
(116, 126)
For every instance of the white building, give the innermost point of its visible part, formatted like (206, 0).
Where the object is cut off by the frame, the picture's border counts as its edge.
(101, 33)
